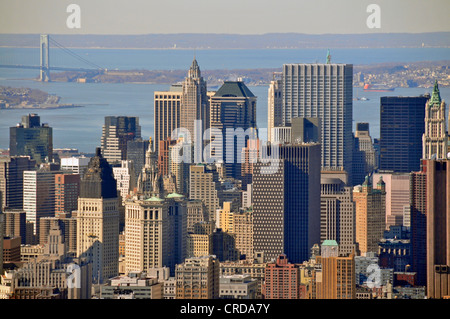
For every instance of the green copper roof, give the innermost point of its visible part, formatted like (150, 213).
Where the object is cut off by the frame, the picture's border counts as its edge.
(154, 199)
(435, 96)
(234, 89)
(329, 243)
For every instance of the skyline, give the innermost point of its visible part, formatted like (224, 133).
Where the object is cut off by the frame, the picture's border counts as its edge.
(235, 17)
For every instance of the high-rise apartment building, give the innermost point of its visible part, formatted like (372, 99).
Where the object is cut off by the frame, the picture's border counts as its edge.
(322, 91)
(401, 129)
(243, 232)
(370, 215)
(30, 138)
(15, 223)
(397, 195)
(204, 185)
(98, 219)
(286, 203)
(438, 228)
(337, 210)
(198, 278)
(67, 190)
(282, 279)
(167, 113)
(39, 195)
(233, 122)
(337, 279)
(435, 136)
(117, 132)
(194, 104)
(11, 179)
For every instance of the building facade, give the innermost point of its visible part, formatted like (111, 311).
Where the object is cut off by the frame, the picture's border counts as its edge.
(322, 91)
(30, 138)
(286, 203)
(435, 136)
(401, 129)
(98, 219)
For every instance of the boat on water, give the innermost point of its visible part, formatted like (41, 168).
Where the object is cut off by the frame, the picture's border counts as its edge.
(377, 88)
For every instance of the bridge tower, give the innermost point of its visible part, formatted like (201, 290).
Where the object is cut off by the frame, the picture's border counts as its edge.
(45, 61)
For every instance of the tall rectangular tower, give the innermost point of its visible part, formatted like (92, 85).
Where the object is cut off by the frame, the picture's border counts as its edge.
(322, 91)
(30, 138)
(194, 103)
(98, 219)
(286, 203)
(401, 129)
(117, 131)
(438, 228)
(11, 179)
(233, 118)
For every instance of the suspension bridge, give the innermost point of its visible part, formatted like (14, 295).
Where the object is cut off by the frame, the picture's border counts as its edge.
(44, 66)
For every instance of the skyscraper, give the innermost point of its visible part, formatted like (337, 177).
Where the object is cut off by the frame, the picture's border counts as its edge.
(438, 228)
(365, 144)
(30, 138)
(39, 195)
(98, 219)
(194, 103)
(337, 211)
(401, 129)
(286, 203)
(322, 91)
(275, 104)
(435, 136)
(338, 273)
(370, 215)
(397, 195)
(117, 131)
(204, 185)
(418, 211)
(155, 233)
(282, 279)
(11, 179)
(136, 150)
(167, 113)
(233, 118)
(67, 189)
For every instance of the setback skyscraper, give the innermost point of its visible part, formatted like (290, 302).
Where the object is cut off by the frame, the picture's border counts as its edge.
(322, 91)
(98, 219)
(194, 103)
(233, 118)
(435, 137)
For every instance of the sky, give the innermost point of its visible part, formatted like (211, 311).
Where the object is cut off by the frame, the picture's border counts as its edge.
(223, 16)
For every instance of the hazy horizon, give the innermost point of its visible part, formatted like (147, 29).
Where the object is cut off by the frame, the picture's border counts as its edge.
(250, 17)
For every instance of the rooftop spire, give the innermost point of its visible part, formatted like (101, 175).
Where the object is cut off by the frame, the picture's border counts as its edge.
(328, 57)
(435, 96)
(194, 70)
